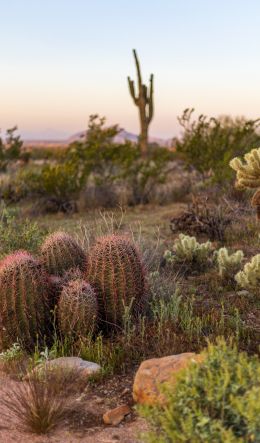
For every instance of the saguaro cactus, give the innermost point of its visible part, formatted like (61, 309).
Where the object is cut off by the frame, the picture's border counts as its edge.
(115, 270)
(24, 293)
(144, 102)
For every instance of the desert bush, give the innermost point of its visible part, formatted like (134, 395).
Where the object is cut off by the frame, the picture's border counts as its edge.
(228, 264)
(55, 184)
(11, 150)
(208, 144)
(249, 277)
(95, 196)
(43, 402)
(216, 400)
(200, 218)
(186, 250)
(99, 158)
(17, 233)
(143, 176)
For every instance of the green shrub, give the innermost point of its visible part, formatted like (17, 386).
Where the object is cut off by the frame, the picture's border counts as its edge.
(99, 158)
(10, 150)
(18, 233)
(215, 401)
(56, 182)
(208, 144)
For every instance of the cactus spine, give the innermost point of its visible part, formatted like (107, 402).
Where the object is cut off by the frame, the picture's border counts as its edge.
(115, 270)
(77, 309)
(24, 292)
(60, 252)
(144, 102)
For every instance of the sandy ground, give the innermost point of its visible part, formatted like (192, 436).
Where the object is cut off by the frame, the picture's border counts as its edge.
(89, 427)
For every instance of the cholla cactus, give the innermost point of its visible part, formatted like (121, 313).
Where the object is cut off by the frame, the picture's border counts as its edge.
(60, 252)
(24, 300)
(228, 264)
(186, 249)
(249, 277)
(77, 309)
(248, 175)
(116, 271)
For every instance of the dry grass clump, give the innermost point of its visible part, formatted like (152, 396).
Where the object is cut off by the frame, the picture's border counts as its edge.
(43, 402)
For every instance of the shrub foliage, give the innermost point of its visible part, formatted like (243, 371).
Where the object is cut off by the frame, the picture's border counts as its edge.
(218, 400)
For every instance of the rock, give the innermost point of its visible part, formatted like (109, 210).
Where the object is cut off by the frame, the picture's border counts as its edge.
(243, 293)
(116, 415)
(152, 373)
(85, 368)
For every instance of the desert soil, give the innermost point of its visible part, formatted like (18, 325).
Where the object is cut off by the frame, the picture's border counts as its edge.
(89, 427)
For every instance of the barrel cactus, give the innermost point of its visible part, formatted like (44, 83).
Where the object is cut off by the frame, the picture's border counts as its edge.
(115, 269)
(72, 274)
(77, 309)
(24, 300)
(60, 252)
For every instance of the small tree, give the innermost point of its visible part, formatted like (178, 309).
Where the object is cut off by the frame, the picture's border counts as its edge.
(144, 102)
(13, 144)
(10, 150)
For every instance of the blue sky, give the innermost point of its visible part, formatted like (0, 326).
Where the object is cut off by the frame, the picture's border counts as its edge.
(62, 60)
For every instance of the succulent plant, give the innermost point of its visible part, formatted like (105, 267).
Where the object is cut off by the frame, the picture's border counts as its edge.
(228, 264)
(24, 300)
(60, 252)
(248, 175)
(186, 249)
(249, 277)
(77, 309)
(116, 271)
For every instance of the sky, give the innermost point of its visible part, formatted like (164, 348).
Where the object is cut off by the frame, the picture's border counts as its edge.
(62, 60)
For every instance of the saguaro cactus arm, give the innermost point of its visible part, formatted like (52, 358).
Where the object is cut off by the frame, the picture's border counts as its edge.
(150, 116)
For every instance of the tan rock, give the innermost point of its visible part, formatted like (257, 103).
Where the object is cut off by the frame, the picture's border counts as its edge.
(152, 373)
(116, 415)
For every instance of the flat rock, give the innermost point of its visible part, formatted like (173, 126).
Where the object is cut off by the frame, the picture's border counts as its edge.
(152, 373)
(116, 415)
(86, 368)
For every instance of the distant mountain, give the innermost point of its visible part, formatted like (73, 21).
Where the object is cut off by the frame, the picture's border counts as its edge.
(121, 137)
(124, 136)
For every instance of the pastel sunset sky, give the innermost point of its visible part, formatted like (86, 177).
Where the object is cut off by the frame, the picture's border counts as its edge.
(62, 60)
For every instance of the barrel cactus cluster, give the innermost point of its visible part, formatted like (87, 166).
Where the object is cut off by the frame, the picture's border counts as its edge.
(83, 291)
